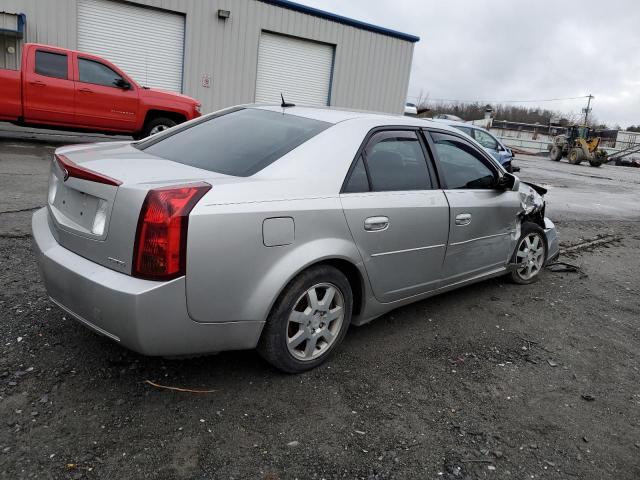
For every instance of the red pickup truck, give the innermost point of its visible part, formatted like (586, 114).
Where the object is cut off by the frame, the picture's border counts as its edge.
(65, 89)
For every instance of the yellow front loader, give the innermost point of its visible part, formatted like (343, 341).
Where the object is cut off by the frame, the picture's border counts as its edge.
(578, 144)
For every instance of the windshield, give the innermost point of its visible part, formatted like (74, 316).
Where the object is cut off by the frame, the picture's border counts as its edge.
(239, 143)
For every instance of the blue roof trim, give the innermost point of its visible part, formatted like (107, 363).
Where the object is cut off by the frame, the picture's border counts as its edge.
(19, 32)
(340, 19)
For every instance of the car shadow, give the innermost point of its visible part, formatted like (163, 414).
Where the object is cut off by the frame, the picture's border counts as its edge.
(207, 371)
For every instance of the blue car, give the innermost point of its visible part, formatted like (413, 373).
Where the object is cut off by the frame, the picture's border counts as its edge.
(491, 144)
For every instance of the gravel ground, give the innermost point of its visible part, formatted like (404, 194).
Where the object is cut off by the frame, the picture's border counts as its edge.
(491, 381)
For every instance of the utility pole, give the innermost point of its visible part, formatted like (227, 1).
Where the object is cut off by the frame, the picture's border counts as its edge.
(587, 110)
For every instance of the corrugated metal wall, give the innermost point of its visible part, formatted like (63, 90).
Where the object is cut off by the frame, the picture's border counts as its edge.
(8, 42)
(371, 70)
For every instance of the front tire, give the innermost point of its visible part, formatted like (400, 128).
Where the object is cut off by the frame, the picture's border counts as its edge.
(530, 255)
(157, 125)
(308, 321)
(576, 156)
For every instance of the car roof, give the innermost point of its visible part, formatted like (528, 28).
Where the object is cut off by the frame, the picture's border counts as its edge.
(337, 115)
(455, 123)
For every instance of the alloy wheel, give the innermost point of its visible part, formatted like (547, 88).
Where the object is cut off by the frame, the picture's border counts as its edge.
(530, 256)
(315, 321)
(158, 129)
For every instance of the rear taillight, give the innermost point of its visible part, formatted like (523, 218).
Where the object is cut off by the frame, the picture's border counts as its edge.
(160, 251)
(71, 169)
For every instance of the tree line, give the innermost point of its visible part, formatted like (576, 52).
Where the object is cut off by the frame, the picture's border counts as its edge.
(510, 113)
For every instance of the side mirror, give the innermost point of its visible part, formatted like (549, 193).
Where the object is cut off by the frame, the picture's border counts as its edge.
(508, 182)
(123, 84)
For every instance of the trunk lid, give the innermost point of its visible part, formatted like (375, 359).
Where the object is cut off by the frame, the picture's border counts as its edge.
(98, 221)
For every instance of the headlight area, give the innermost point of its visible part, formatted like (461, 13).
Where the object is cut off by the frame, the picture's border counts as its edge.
(532, 204)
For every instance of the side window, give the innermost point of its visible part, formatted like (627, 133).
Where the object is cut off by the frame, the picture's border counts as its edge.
(466, 130)
(395, 161)
(97, 73)
(486, 140)
(51, 64)
(462, 166)
(358, 181)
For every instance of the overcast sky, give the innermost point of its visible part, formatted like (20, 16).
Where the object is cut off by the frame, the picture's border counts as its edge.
(518, 50)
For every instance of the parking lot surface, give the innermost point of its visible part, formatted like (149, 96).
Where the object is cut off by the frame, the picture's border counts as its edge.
(491, 381)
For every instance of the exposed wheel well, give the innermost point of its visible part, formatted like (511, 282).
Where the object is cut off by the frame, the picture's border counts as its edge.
(354, 277)
(348, 269)
(536, 217)
(153, 114)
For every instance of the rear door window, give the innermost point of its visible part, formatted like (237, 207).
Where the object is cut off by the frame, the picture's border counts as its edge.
(239, 143)
(51, 64)
(358, 181)
(396, 161)
(486, 140)
(466, 130)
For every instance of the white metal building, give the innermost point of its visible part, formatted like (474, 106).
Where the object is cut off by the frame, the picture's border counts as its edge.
(225, 52)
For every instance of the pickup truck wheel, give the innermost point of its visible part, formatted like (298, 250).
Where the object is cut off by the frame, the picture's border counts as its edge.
(157, 125)
(308, 321)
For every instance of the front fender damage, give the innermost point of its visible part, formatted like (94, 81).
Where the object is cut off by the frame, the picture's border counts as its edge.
(531, 200)
(532, 206)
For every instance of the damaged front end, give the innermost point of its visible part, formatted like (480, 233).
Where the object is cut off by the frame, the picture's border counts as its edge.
(532, 202)
(533, 206)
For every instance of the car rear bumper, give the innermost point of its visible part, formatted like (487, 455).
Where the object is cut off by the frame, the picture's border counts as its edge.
(145, 316)
(553, 243)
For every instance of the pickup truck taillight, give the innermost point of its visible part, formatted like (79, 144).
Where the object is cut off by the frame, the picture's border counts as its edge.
(160, 250)
(71, 169)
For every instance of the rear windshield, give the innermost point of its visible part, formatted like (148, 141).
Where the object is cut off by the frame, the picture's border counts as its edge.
(239, 143)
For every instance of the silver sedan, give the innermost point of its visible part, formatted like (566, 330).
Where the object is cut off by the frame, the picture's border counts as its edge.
(277, 228)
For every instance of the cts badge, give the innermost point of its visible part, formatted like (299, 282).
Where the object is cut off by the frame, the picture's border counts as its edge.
(117, 261)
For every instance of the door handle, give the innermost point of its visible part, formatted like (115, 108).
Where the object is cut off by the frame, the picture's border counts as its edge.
(85, 90)
(376, 224)
(463, 219)
(37, 84)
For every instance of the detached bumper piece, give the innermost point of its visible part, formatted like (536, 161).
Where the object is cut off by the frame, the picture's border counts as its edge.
(552, 240)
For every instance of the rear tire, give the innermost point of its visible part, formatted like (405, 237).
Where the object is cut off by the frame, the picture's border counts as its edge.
(157, 125)
(555, 153)
(304, 328)
(531, 254)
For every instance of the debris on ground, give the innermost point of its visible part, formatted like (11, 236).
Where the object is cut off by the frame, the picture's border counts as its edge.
(563, 267)
(178, 389)
(597, 241)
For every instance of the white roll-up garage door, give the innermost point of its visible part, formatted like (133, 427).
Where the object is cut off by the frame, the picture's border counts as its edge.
(147, 44)
(299, 69)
